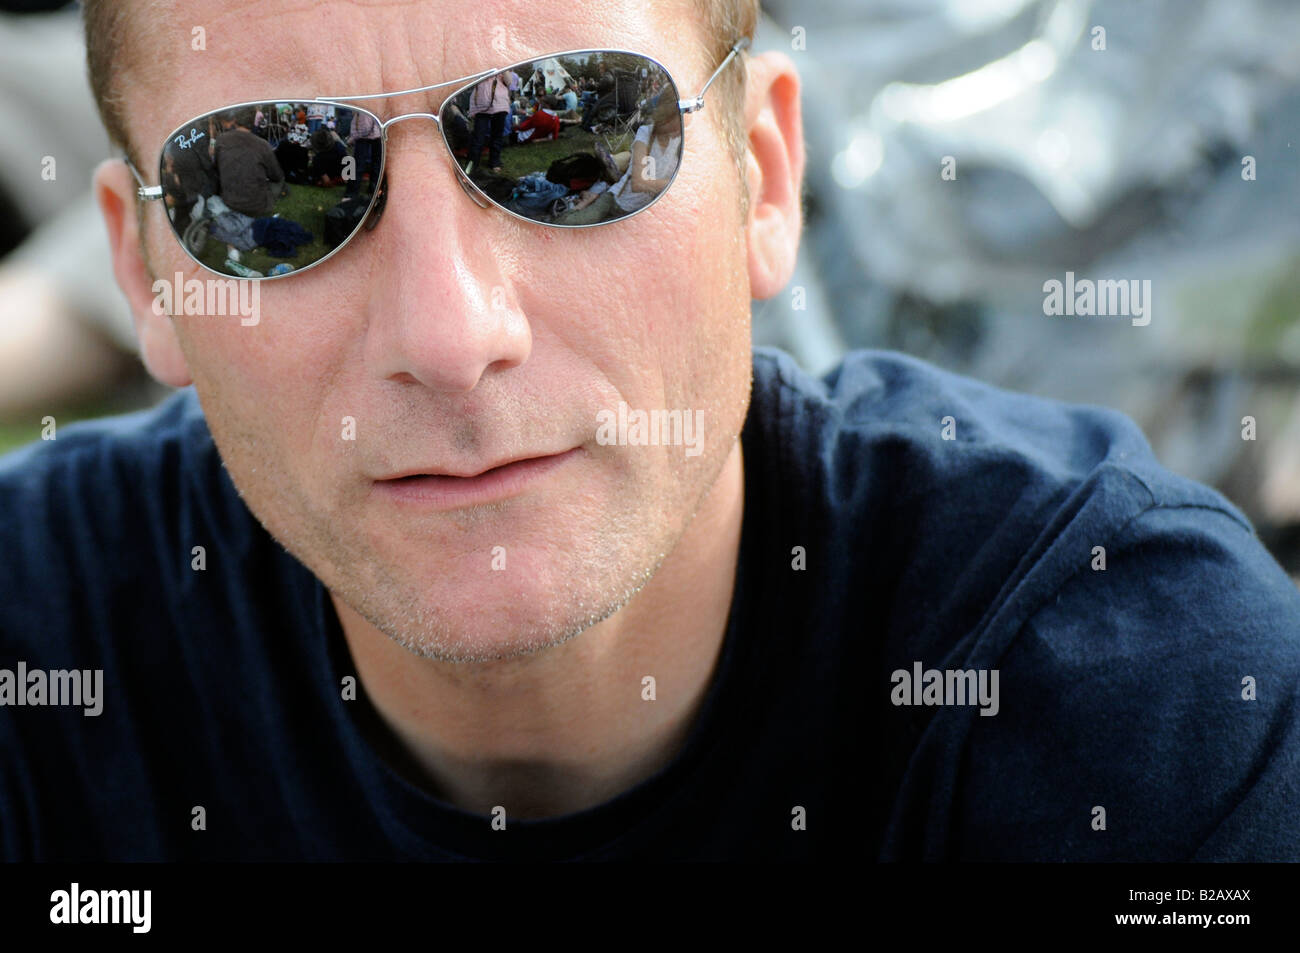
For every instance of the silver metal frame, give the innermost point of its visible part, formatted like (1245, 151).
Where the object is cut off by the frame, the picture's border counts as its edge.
(480, 198)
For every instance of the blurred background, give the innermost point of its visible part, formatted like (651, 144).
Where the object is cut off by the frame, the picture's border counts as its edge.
(1116, 139)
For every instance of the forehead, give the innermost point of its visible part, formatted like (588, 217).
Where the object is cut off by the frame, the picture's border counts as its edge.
(198, 56)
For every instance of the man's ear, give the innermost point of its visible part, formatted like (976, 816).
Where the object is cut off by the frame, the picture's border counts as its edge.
(773, 170)
(159, 348)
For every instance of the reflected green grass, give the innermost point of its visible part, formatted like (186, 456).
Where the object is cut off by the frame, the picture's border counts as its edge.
(306, 205)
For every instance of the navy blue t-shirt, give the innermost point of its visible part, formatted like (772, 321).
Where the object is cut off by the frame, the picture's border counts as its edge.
(968, 624)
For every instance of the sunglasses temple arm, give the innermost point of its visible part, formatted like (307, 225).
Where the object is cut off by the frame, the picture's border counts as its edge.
(146, 192)
(692, 105)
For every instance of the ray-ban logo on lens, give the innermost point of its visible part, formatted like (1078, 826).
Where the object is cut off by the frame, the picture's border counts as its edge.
(215, 297)
(969, 686)
(651, 428)
(186, 141)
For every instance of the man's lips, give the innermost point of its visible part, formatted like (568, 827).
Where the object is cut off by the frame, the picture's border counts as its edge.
(440, 490)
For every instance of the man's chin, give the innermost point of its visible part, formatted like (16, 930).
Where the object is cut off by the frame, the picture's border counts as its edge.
(461, 634)
(477, 621)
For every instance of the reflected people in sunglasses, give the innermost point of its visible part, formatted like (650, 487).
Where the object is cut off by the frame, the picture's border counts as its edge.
(571, 139)
(563, 161)
(641, 174)
(251, 178)
(249, 198)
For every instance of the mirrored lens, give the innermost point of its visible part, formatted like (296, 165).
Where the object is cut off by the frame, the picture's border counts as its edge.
(266, 190)
(582, 139)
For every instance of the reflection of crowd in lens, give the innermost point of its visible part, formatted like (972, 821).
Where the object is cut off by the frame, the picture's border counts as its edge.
(573, 140)
(278, 180)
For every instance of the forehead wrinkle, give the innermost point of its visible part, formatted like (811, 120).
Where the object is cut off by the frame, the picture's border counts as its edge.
(525, 38)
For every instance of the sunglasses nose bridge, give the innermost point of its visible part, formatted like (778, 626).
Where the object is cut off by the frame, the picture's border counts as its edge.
(460, 174)
(388, 122)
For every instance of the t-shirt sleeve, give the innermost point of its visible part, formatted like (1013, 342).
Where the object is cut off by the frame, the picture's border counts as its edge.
(643, 134)
(1149, 711)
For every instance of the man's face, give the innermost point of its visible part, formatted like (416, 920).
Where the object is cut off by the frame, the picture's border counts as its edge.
(459, 338)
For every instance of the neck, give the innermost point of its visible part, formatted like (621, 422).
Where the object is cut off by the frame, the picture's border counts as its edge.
(567, 728)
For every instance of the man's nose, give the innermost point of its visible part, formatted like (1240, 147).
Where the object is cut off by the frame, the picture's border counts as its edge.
(442, 310)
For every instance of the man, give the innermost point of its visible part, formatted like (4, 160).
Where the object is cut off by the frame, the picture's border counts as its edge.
(251, 177)
(653, 148)
(364, 139)
(381, 585)
(187, 175)
(489, 105)
(542, 126)
(317, 114)
(569, 99)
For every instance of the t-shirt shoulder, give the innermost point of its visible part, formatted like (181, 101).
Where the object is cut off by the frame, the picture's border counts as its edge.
(97, 514)
(1147, 645)
(102, 457)
(1165, 676)
(961, 436)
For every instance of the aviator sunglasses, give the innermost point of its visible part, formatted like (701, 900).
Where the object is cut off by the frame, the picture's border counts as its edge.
(270, 188)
